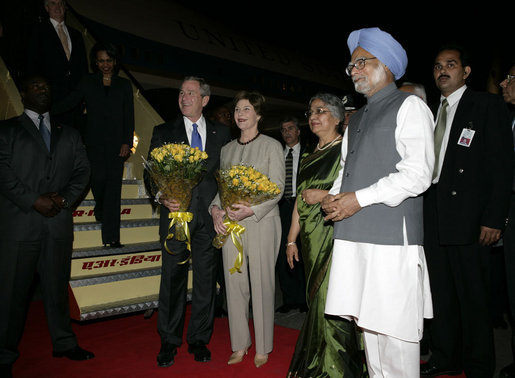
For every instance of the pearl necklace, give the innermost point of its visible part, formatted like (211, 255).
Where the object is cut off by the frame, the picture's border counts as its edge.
(328, 144)
(247, 142)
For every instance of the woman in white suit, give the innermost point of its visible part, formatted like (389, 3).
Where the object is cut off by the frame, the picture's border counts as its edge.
(261, 238)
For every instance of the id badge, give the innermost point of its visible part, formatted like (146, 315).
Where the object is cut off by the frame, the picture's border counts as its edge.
(466, 137)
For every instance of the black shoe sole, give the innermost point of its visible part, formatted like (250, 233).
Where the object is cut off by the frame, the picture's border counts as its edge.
(72, 358)
(440, 373)
(166, 365)
(204, 359)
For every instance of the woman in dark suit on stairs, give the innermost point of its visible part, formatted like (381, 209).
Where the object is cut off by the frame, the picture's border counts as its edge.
(108, 135)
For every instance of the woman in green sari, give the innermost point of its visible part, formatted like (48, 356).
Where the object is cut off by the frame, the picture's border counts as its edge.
(327, 346)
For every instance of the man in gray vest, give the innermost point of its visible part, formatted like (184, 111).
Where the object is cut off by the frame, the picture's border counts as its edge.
(378, 274)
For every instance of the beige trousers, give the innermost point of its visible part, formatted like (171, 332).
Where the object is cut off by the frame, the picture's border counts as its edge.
(261, 242)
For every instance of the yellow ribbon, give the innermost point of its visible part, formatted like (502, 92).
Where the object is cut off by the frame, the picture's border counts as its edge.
(236, 230)
(181, 218)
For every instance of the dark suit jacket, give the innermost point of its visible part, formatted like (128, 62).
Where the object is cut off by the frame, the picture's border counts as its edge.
(28, 170)
(46, 57)
(217, 135)
(475, 182)
(110, 114)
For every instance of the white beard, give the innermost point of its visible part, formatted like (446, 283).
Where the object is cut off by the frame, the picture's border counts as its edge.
(368, 83)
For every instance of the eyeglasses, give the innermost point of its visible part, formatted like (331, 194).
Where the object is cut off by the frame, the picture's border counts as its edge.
(359, 64)
(509, 78)
(317, 111)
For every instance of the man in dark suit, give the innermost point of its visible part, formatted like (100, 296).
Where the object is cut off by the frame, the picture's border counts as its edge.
(291, 281)
(38, 183)
(465, 211)
(193, 97)
(508, 91)
(56, 51)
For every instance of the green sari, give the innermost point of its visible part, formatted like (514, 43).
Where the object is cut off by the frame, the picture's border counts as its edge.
(328, 346)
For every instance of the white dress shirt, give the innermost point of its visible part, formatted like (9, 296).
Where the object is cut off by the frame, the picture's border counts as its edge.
(201, 128)
(65, 29)
(453, 100)
(35, 118)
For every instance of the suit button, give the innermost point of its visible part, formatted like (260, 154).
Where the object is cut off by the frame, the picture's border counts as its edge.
(460, 170)
(347, 174)
(453, 193)
(352, 152)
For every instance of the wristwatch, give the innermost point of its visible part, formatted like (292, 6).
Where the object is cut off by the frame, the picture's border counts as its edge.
(64, 203)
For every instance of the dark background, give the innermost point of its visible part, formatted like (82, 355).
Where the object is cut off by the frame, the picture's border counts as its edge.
(319, 29)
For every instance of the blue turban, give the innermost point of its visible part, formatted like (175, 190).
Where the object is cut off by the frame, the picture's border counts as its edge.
(383, 46)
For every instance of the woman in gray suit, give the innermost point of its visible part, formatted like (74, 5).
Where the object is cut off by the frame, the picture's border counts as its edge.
(261, 238)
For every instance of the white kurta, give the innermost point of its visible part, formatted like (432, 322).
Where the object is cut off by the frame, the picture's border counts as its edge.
(386, 288)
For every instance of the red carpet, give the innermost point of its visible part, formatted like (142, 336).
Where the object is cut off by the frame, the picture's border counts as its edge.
(127, 347)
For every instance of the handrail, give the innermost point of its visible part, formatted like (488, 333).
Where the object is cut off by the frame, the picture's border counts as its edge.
(10, 99)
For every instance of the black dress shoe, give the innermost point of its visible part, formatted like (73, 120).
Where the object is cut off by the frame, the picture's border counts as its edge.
(113, 245)
(200, 351)
(431, 370)
(166, 354)
(76, 354)
(6, 371)
(507, 371)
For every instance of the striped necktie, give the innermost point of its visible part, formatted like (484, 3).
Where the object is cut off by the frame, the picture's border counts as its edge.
(288, 190)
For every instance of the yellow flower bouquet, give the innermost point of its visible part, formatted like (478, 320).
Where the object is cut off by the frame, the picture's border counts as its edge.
(175, 170)
(241, 184)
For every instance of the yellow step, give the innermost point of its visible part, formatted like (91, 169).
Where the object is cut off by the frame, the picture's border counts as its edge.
(89, 300)
(130, 189)
(129, 209)
(131, 231)
(104, 296)
(109, 264)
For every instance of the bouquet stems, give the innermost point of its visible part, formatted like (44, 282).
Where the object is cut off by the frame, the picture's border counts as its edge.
(235, 230)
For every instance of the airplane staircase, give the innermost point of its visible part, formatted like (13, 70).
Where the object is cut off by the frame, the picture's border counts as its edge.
(111, 281)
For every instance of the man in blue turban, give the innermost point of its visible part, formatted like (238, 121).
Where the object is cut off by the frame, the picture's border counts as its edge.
(378, 274)
(383, 46)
